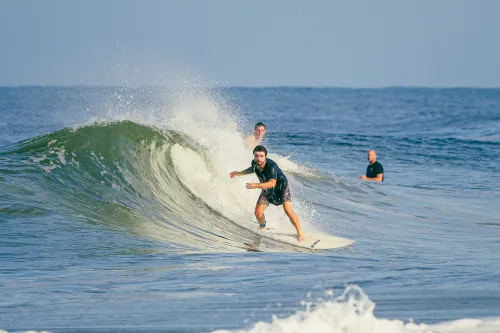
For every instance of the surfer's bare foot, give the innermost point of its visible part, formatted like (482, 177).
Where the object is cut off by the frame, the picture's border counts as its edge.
(263, 229)
(301, 236)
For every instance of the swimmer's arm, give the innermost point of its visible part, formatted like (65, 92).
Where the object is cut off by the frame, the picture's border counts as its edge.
(247, 171)
(377, 178)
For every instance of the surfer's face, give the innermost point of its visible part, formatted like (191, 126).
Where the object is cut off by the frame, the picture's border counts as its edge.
(372, 156)
(260, 131)
(259, 157)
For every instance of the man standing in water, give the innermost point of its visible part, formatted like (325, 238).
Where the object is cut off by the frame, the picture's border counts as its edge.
(374, 171)
(256, 138)
(274, 185)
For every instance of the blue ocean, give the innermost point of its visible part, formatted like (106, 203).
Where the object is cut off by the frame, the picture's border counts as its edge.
(117, 212)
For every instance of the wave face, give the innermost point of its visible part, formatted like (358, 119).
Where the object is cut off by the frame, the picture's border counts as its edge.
(125, 175)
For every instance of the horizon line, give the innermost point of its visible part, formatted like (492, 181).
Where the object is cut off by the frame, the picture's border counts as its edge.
(251, 86)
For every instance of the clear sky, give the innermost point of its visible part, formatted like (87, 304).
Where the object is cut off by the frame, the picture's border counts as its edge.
(368, 43)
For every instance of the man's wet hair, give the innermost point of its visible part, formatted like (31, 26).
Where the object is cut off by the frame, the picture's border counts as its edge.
(261, 149)
(260, 124)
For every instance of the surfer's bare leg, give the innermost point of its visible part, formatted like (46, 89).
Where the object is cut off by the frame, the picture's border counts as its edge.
(259, 214)
(287, 206)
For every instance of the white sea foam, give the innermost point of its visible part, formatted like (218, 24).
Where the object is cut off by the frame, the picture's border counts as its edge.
(352, 312)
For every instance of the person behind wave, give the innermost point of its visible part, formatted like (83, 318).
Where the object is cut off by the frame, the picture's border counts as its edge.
(375, 170)
(255, 139)
(274, 185)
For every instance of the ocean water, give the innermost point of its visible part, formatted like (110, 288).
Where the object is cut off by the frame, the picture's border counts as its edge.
(117, 213)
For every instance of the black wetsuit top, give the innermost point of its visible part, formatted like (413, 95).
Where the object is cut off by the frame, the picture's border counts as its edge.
(374, 169)
(272, 171)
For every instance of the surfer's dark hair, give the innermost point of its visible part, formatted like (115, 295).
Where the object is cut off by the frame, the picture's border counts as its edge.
(260, 124)
(260, 148)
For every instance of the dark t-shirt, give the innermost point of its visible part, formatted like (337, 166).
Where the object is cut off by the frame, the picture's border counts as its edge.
(374, 169)
(272, 171)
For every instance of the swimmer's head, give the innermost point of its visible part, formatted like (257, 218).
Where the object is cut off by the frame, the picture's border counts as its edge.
(372, 156)
(260, 130)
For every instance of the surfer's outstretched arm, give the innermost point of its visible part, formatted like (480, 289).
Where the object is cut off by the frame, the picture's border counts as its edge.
(241, 173)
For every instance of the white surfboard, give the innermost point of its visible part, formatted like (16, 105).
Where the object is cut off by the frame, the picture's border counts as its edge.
(313, 241)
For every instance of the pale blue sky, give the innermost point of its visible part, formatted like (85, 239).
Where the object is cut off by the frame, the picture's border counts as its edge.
(251, 43)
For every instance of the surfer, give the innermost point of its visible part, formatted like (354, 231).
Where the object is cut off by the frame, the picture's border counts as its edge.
(375, 170)
(255, 139)
(274, 185)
